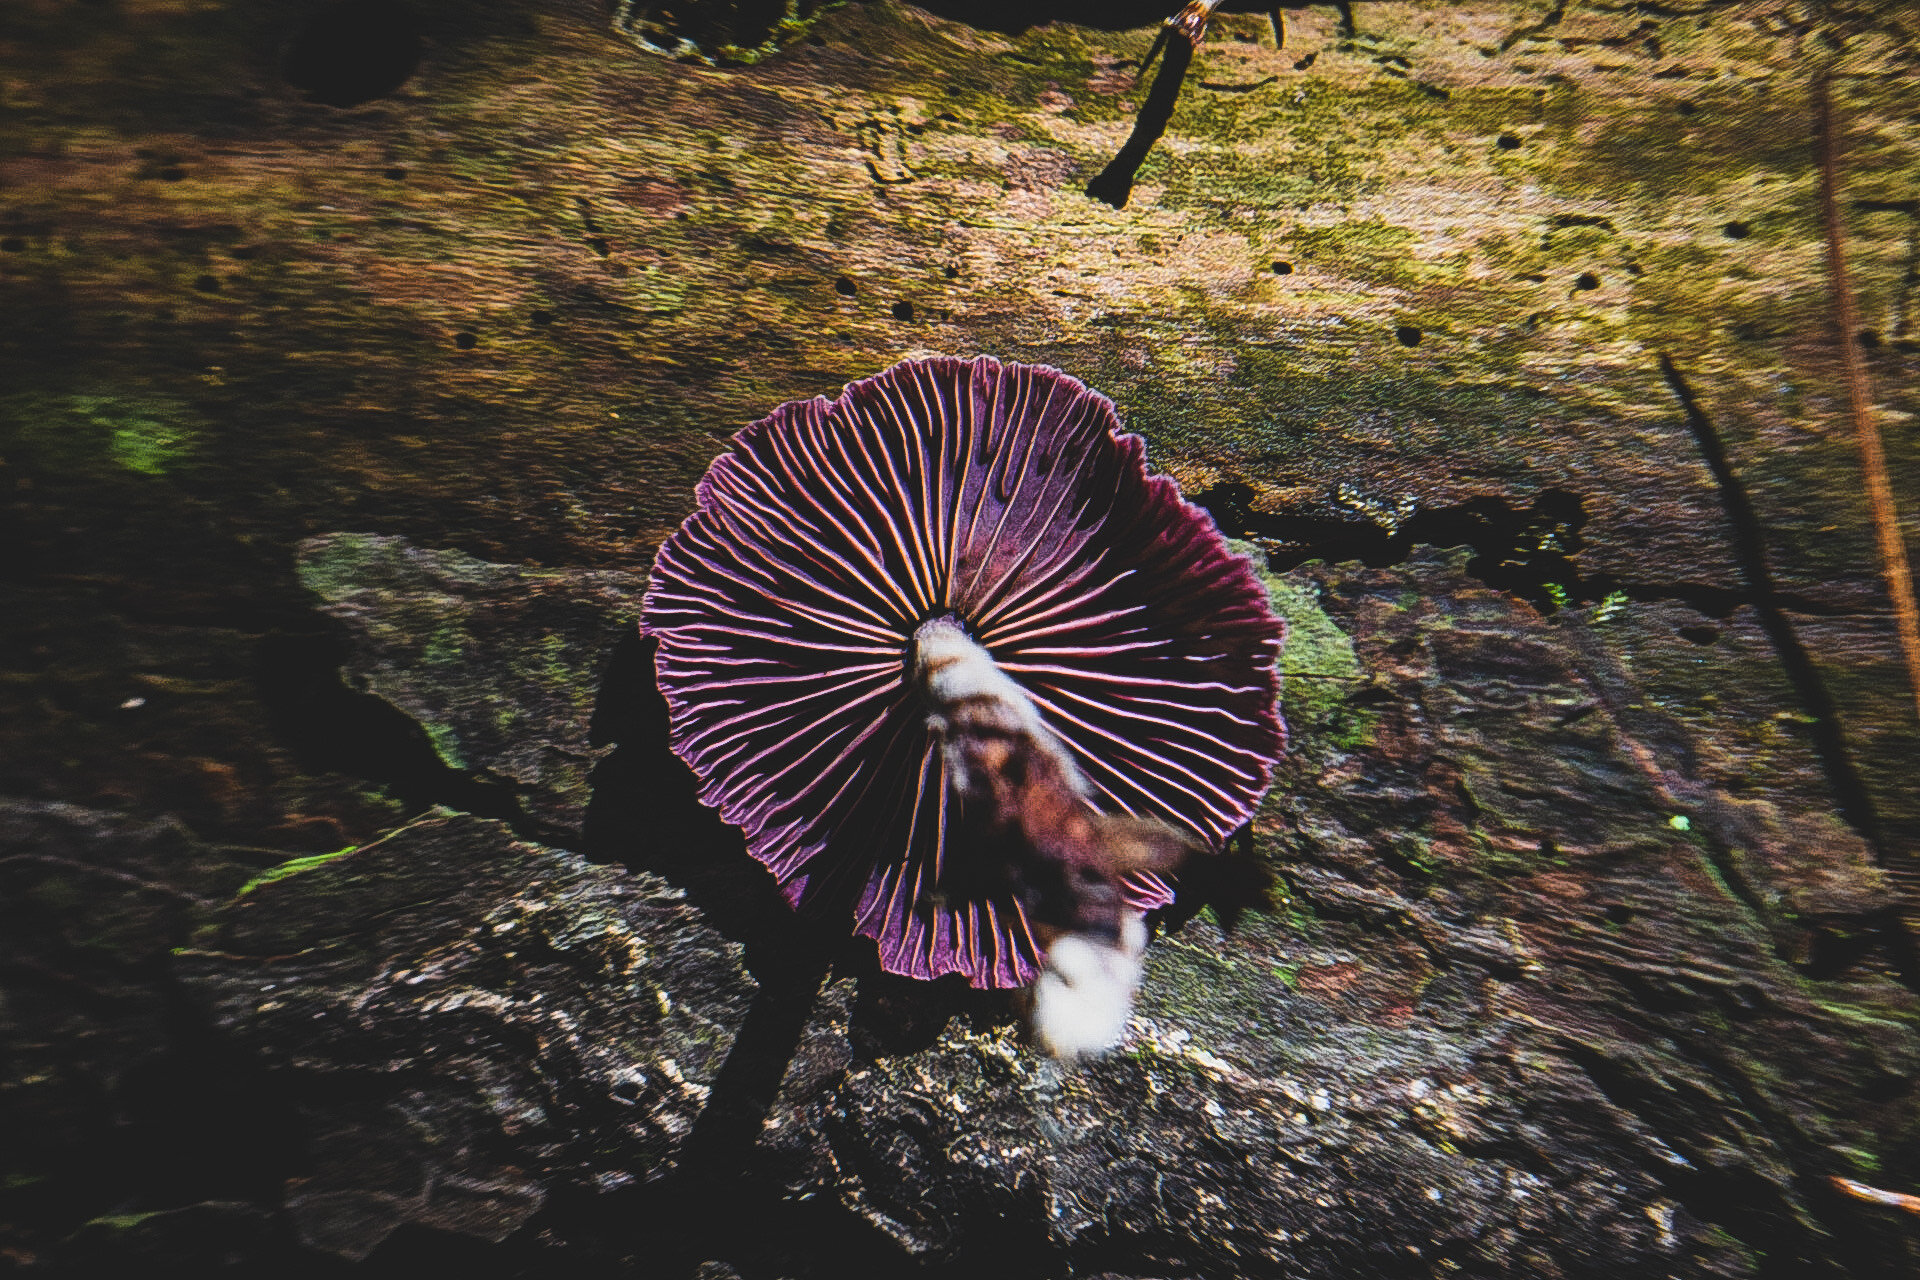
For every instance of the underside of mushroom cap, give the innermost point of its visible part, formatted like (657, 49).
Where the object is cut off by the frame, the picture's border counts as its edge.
(1010, 497)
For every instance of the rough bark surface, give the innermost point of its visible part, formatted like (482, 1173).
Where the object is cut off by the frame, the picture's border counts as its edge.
(438, 616)
(465, 1022)
(346, 394)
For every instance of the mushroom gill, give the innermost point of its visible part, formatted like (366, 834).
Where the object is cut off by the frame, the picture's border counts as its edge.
(945, 651)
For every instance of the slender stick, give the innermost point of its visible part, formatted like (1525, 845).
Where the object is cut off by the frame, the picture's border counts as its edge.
(1179, 38)
(1874, 1195)
(1873, 454)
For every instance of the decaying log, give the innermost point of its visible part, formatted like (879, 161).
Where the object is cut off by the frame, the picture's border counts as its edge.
(346, 396)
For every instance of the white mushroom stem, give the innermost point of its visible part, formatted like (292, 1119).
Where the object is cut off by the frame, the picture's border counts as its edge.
(970, 699)
(991, 733)
(1083, 998)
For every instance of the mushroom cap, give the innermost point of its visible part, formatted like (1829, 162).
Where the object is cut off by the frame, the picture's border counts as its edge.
(1009, 496)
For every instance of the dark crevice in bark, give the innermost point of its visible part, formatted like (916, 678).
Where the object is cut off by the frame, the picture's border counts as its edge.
(1547, 22)
(1525, 550)
(1834, 953)
(1516, 549)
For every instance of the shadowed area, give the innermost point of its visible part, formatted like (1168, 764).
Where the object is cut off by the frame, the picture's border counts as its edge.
(646, 813)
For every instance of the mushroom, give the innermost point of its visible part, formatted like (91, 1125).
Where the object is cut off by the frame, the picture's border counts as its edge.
(947, 653)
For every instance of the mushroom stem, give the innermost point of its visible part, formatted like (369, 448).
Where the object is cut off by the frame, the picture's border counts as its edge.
(1083, 998)
(981, 714)
(1063, 859)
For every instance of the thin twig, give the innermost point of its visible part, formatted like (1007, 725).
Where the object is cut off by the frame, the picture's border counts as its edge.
(1178, 39)
(1827, 735)
(1874, 1195)
(1873, 454)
